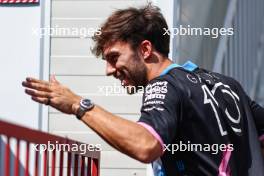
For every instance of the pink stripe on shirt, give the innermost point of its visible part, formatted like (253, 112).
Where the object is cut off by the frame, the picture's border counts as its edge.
(153, 132)
(261, 138)
(224, 170)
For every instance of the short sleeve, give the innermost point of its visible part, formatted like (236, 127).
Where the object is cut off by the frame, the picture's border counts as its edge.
(258, 115)
(161, 110)
(257, 112)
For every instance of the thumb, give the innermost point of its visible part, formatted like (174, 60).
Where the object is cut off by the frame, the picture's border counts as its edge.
(54, 80)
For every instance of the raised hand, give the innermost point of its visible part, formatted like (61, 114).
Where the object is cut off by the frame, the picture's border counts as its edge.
(52, 93)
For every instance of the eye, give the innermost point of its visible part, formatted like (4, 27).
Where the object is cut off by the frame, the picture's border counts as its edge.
(112, 58)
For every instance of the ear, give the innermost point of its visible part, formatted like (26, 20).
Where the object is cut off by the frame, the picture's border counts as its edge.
(146, 49)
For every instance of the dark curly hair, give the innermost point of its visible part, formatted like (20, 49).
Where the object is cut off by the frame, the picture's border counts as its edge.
(133, 25)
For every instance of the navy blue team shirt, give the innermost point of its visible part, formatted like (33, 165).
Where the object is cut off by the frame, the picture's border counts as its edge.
(212, 115)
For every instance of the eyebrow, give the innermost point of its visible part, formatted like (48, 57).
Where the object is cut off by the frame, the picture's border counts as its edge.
(111, 53)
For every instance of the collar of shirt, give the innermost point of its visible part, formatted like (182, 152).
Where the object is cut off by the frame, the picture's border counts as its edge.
(187, 66)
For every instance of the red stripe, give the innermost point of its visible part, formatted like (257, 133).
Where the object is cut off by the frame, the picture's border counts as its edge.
(7, 157)
(53, 163)
(37, 161)
(82, 165)
(18, 1)
(27, 160)
(94, 167)
(17, 158)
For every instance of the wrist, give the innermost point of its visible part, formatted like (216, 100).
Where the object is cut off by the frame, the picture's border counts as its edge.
(82, 107)
(75, 107)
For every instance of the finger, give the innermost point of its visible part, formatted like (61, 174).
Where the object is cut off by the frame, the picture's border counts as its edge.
(30, 79)
(36, 86)
(54, 80)
(40, 100)
(40, 94)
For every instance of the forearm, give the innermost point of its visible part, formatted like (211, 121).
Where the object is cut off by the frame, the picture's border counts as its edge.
(126, 136)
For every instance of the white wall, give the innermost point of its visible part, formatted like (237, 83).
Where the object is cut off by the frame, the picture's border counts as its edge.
(20, 56)
(76, 67)
(169, 10)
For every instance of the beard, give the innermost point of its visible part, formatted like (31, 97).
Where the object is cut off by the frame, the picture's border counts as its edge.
(137, 76)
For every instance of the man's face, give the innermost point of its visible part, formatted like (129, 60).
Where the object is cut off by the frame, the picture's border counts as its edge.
(126, 65)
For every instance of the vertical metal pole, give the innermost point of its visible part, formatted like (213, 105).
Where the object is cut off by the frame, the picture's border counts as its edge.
(61, 163)
(36, 162)
(76, 166)
(17, 157)
(27, 160)
(89, 170)
(69, 164)
(82, 165)
(53, 166)
(7, 157)
(45, 159)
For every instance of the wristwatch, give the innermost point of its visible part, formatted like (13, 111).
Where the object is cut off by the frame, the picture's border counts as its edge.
(85, 105)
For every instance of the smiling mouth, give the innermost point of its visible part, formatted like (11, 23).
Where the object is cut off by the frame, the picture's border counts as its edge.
(124, 81)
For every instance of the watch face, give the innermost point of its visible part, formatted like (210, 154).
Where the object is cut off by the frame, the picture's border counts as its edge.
(86, 103)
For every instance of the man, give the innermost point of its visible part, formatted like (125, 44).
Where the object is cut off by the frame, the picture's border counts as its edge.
(184, 107)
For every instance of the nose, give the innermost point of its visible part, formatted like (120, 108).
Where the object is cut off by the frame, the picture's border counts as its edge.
(110, 69)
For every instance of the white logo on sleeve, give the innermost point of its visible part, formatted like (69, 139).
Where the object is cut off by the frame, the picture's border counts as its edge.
(156, 90)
